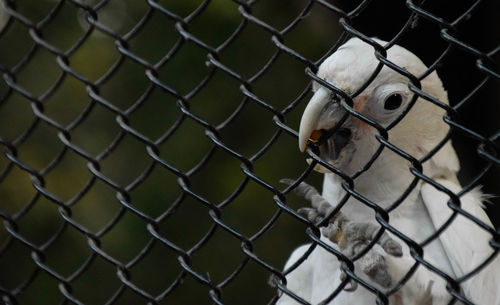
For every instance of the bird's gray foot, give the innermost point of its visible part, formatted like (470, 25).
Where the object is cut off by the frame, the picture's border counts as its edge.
(320, 206)
(351, 237)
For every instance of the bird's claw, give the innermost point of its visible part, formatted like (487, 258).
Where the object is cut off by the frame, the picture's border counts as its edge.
(374, 265)
(391, 246)
(351, 237)
(311, 214)
(320, 206)
(303, 189)
(358, 233)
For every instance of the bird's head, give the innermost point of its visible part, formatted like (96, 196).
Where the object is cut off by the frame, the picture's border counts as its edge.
(349, 144)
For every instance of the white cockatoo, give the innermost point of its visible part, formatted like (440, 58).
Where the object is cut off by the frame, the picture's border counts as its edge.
(458, 250)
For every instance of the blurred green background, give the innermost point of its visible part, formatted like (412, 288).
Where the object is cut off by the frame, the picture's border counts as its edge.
(219, 177)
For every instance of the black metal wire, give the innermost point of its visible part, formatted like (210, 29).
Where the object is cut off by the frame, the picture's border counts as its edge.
(487, 147)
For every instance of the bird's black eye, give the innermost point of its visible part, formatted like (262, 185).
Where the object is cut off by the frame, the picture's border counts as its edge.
(393, 101)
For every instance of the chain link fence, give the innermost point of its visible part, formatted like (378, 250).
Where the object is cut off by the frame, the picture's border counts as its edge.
(143, 141)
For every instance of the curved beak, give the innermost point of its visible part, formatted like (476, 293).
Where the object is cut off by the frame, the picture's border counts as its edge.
(320, 114)
(310, 117)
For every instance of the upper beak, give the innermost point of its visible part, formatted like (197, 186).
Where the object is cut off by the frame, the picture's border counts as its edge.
(311, 115)
(320, 114)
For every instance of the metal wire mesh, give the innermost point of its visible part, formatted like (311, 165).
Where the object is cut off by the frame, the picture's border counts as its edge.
(143, 142)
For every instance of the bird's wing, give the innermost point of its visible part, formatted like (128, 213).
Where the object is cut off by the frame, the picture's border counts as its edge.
(465, 243)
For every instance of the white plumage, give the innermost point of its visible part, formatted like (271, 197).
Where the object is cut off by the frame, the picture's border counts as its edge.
(458, 250)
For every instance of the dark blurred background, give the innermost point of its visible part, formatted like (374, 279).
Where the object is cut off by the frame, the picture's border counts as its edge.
(220, 176)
